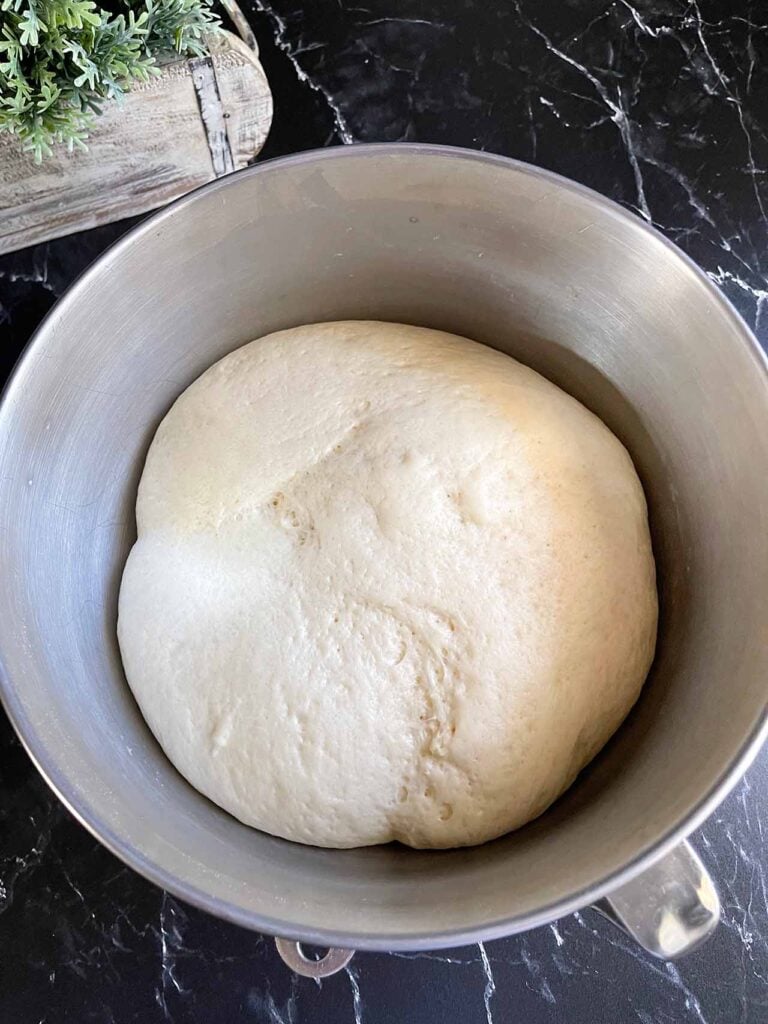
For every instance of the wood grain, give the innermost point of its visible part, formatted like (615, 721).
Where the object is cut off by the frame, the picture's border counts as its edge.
(198, 119)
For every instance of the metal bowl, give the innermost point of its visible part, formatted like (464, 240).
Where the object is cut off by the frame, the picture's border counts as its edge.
(501, 252)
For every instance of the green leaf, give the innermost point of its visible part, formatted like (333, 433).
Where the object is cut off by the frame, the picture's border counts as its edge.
(60, 59)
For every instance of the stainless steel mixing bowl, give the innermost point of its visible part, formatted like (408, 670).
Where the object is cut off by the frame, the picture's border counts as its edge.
(507, 254)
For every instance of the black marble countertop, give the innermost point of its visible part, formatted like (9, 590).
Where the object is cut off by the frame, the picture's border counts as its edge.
(660, 104)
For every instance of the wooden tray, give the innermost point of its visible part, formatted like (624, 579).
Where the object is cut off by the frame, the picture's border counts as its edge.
(197, 120)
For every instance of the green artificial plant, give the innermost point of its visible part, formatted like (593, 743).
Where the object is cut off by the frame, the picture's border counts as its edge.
(59, 59)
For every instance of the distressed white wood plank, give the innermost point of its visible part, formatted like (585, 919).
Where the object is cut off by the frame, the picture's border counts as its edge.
(152, 148)
(245, 98)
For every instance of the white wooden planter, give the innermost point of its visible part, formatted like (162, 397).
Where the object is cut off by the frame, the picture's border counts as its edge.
(197, 120)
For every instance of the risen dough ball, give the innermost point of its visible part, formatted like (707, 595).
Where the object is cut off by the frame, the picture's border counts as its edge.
(388, 584)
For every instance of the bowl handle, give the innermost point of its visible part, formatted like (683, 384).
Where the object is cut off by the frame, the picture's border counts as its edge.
(293, 956)
(670, 909)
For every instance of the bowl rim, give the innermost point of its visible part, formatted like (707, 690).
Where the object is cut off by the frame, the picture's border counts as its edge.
(123, 849)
